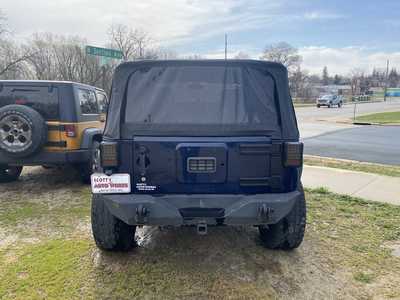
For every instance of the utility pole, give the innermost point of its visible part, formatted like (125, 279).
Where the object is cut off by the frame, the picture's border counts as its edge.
(226, 46)
(386, 81)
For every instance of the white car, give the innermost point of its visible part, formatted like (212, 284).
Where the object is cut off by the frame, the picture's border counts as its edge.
(330, 100)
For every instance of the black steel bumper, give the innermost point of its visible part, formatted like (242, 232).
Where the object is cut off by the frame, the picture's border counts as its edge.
(209, 209)
(47, 158)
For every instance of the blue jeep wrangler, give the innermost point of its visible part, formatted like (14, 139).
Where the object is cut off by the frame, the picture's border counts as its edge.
(199, 143)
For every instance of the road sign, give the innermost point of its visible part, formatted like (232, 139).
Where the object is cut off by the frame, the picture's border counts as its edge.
(110, 53)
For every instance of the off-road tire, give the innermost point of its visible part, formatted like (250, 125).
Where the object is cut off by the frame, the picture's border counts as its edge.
(9, 173)
(109, 232)
(288, 233)
(87, 169)
(37, 128)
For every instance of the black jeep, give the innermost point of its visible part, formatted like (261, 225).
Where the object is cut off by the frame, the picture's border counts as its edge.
(49, 123)
(199, 143)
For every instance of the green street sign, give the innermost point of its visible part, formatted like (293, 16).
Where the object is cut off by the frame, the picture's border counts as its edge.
(97, 51)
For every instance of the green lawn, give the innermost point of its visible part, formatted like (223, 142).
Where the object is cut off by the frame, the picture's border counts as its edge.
(345, 254)
(381, 118)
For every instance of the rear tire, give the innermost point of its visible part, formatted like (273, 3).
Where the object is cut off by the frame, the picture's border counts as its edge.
(109, 232)
(9, 174)
(87, 169)
(288, 233)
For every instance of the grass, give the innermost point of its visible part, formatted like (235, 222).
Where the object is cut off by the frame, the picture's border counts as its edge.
(347, 232)
(381, 118)
(379, 169)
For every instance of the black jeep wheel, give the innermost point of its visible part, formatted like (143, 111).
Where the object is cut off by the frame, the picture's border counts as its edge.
(23, 131)
(288, 233)
(109, 232)
(87, 169)
(9, 173)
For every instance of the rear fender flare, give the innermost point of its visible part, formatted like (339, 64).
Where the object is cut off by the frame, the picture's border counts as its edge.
(89, 135)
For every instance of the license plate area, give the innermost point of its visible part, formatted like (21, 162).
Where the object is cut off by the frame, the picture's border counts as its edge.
(113, 184)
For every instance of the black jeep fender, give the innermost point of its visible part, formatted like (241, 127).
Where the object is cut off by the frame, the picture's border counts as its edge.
(89, 135)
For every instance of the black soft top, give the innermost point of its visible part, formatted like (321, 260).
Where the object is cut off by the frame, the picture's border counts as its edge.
(159, 98)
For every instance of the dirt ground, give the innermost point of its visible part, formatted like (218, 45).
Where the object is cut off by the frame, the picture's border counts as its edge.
(46, 251)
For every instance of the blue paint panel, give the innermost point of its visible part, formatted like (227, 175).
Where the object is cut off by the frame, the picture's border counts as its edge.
(158, 165)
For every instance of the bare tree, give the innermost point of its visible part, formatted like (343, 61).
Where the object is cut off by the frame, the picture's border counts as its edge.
(356, 77)
(133, 43)
(3, 27)
(11, 55)
(283, 53)
(300, 84)
(325, 76)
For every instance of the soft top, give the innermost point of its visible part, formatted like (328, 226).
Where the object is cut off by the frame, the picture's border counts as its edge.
(201, 98)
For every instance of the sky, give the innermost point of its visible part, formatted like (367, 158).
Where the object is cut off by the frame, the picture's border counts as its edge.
(341, 34)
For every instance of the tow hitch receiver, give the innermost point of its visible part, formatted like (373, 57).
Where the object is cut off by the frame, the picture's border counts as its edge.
(264, 213)
(141, 214)
(202, 229)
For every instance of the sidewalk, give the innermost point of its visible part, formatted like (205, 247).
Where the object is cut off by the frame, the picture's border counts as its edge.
(358, 184)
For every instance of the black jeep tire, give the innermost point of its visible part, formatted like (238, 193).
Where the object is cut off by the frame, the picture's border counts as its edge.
(9, 173)
(22, 123)
(288, 233)
(87, 169)
(109, 232)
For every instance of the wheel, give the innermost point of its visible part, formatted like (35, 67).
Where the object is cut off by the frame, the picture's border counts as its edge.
(9, 173)
(23, 131)
(288, 233)
(87, 169)
(318, 105)
(109, 232)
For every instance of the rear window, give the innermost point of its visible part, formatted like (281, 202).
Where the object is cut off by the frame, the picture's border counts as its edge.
(43, 99)
(202, 95)
(88, 102)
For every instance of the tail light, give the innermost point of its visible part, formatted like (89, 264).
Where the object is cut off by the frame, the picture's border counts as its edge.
(109, 154)
(70, 130)
(293, 154)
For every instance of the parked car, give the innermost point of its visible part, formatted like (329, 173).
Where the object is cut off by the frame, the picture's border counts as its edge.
(330, 100)
(49, 123)
(199, 143)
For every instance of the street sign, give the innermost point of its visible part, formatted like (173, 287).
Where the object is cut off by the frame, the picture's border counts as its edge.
(104, 52)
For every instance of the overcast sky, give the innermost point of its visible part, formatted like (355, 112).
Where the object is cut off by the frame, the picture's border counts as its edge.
(341, 34)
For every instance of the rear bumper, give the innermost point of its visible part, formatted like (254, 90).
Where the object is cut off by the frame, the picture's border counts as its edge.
(194, 209)
(47, 158)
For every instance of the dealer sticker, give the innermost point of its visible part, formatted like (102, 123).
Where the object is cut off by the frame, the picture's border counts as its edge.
(113, 184)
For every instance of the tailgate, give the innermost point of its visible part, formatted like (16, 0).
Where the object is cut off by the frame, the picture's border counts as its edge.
(234, 165)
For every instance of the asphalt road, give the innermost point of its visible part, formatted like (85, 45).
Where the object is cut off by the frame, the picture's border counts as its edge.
(378, 144)
(307, 114)
(324, 134)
